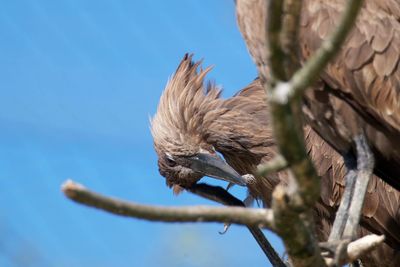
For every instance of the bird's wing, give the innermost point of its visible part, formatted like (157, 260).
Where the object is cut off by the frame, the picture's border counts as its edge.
(367, 68)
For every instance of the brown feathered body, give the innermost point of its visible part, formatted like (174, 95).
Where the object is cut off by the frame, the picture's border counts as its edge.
(359, 91)
(238, 128)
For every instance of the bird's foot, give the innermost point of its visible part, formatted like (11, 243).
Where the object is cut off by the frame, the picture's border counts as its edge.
(247, 178)
(337, 250)
(357, 263)
(226, 228)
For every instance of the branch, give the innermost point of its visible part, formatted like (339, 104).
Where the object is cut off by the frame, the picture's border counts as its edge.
(296, 228)
(358, 248)
(275, 54)
(275, 165)
(286, 120)
(295, 202)
(220, 195)
(292, 206)
(362, 246)
(289, 35)
(238, 215)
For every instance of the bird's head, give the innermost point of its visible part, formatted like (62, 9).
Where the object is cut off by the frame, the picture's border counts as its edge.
(185, 110)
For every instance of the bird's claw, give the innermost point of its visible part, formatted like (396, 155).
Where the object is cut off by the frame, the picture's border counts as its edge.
(248, 202)
(337, 250)
(249, 178)
(226, 228)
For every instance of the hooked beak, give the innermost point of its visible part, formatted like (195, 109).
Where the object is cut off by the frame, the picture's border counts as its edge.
(214, 166)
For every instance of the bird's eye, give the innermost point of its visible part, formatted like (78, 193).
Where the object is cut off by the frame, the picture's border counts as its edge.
(170, 161)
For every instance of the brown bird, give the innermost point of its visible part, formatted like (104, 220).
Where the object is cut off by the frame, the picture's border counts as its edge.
(193, 124)
(359, 91)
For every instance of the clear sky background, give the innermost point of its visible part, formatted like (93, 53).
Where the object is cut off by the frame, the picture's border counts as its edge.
(78, 82)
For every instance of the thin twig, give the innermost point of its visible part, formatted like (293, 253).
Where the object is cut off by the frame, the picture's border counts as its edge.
(220, 195)
(358, 248)
(238, 215)
(269, 251)
(275, 165)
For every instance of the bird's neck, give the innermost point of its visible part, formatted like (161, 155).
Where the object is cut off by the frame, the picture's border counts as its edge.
(238, 129)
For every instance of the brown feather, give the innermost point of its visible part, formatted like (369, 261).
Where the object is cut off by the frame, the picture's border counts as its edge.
(238, 128)
(367, 69)
(364, 79)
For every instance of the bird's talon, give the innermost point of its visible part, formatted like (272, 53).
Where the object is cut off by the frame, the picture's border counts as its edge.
(226, 228)
(336, 250)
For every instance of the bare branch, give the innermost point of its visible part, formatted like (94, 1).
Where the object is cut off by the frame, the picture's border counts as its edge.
(296, 228)
(275, 165)
(276, 55)
(362, 246)
(238, 215)
(294, 203)
(289, 35)
(222, 196)
(292, 211)
(286, 123)
(358, 248)
(269, 251)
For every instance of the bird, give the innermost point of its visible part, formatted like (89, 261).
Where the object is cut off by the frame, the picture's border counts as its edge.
(359, 91)
(357, 95)
(197, 133)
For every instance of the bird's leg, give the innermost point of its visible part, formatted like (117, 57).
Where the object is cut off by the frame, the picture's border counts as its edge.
(365, 167)
(343, 212)
(357, 179)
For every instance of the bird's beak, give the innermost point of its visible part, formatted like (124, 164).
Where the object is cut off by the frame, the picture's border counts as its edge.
(214, 166)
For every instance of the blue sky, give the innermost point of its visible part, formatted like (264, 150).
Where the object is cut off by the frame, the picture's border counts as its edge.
(78, 82)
